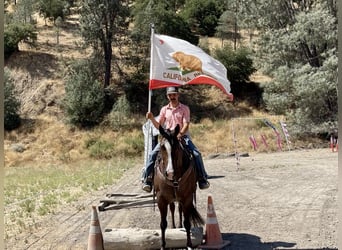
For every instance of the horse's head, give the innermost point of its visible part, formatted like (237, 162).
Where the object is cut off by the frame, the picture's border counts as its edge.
(172, 152)
(170, 135)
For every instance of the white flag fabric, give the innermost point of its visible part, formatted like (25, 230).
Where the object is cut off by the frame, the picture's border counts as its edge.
(177, 62)
(149, 131)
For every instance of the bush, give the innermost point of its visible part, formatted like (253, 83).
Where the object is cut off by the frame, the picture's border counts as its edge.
(240, 67)
(11, 103)
(84, 96)
(203, 15)
(100, 149)
(119, 116)
(306, 95)
(238, 62)
(53, 8)
(15, 33)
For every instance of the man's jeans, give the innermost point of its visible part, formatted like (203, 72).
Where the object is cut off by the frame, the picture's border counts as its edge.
(201, 173)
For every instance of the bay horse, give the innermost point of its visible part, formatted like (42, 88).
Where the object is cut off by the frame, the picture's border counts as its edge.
(173, 158)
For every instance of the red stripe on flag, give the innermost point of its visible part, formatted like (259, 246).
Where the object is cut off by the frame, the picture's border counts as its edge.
(201, 79)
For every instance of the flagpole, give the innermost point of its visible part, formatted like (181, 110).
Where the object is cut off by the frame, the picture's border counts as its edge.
(149, 128)
(151, 67)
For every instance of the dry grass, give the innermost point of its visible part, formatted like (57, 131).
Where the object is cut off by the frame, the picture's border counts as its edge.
(233, 135)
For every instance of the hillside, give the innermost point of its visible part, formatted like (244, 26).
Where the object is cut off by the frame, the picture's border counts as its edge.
(38, 77)
(38, 74)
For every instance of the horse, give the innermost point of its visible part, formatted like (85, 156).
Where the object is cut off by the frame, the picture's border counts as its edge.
(175, 181)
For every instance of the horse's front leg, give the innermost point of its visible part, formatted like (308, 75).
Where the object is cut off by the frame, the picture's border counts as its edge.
(180, 211)
(172, 209)
(187, 226)
(162, 205)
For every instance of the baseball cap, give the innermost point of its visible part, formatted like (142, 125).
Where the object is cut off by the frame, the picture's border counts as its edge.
(171, 90)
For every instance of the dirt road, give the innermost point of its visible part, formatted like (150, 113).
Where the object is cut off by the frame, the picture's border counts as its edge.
(285, 200)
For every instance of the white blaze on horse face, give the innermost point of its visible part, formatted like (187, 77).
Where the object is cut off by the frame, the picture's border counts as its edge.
(169, 167)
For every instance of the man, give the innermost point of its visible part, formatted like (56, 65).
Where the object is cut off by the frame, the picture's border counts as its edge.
(170, 115)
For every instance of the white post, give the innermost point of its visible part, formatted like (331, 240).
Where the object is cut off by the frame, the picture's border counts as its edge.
(285, 132)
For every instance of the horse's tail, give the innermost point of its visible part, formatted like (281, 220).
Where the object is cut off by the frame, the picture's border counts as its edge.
(195, 217)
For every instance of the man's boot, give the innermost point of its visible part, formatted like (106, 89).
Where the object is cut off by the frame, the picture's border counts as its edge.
(147, 186)
(203, 184)
(147, 182)
(202, 178)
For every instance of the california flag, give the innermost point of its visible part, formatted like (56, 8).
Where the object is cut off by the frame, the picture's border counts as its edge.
(178, 62)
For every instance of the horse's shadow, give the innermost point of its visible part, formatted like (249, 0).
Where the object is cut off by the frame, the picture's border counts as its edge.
(242, 241)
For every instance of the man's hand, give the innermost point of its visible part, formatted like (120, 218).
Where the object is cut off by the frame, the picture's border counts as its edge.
(149, 115)
(179, 136)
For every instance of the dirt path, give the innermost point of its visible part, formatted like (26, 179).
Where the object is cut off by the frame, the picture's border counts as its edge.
(285, 200)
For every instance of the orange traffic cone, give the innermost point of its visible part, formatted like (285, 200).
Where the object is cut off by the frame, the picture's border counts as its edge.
(213, 237)
(95, 240)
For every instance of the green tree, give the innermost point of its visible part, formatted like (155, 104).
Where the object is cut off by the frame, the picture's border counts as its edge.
(203, 15)
(51, 9)
(14, 33)
(19, 27)
(228, 27)
(297, 47)
(24, 10)
(84, 95)
(11, 103)
(239, 65)
(104, 25)
(164, 15)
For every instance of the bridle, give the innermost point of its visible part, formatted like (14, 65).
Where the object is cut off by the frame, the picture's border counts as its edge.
(186, 174)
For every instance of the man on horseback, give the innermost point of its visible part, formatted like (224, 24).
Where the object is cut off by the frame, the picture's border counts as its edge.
(170, 115)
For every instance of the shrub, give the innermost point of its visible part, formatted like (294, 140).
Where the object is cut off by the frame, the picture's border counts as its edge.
(238, 62)
(120, 113)
(240, 67)
(15, 33)
(11, 103)
(84, 96)
(101, 149)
